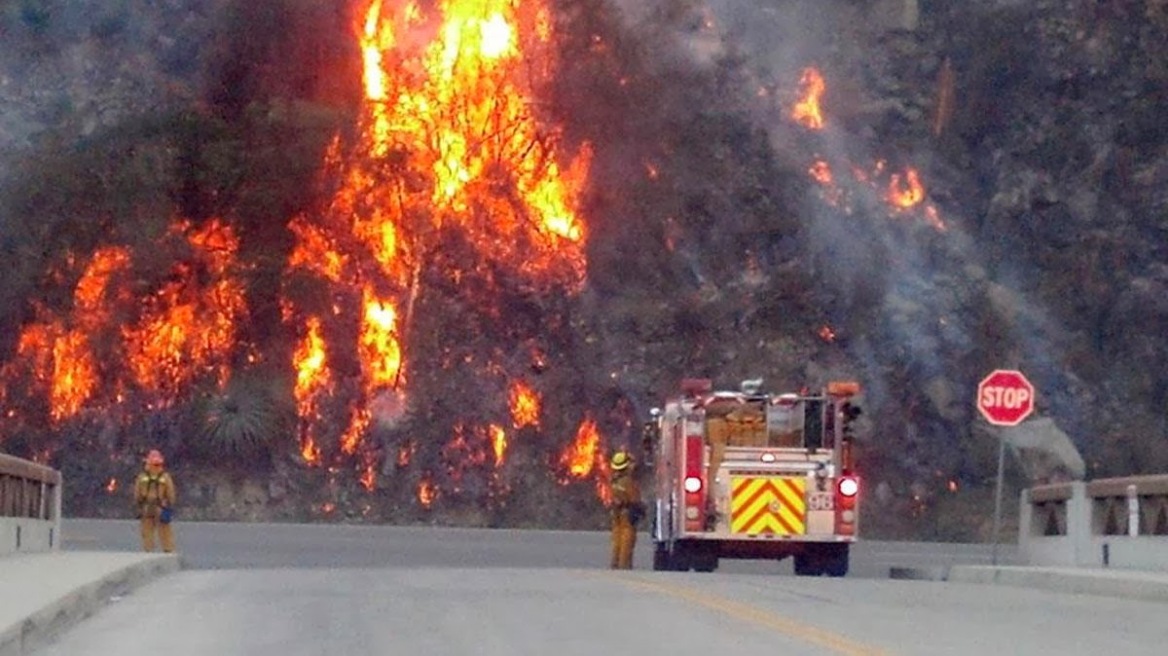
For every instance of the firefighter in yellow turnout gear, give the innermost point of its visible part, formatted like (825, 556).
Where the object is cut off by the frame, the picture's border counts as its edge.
(627, 509)
(154, 496)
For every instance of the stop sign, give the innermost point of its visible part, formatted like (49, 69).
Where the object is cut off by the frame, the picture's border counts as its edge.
(1005, 397)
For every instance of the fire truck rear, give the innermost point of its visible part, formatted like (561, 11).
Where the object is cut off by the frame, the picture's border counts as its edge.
(747, 474)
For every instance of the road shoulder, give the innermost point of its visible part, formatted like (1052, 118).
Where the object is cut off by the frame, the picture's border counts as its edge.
(46, 594)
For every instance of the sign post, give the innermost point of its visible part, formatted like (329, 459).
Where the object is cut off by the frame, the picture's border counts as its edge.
(1004, 398)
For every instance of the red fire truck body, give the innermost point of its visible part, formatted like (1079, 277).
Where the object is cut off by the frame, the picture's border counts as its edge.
(746, 474)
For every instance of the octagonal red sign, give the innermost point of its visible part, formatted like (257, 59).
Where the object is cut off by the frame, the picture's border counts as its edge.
(1005, 397)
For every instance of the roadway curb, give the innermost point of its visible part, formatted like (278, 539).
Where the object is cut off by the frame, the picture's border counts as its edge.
(1113, 583)
(42, 626)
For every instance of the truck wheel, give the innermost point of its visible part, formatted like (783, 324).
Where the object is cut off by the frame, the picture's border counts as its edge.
(805, 565)
(681, 559)
(707, 563)
(661, 560)
(835, 560)
(704, 557)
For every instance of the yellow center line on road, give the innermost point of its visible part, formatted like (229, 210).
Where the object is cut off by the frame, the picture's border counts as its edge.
(805, 632)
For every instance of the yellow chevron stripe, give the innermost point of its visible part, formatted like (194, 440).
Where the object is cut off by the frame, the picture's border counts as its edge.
(768, 504)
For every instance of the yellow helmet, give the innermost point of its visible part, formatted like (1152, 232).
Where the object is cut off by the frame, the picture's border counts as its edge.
(621, 460)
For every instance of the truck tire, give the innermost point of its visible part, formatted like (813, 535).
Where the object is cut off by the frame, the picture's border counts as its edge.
(835, 560)
(805, 565)
(661, 559)
(828, 559)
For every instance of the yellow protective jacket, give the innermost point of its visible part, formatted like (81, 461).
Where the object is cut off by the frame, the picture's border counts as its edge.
(626, 496)
(153, 492)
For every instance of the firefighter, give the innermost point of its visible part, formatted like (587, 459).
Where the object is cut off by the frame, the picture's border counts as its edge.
(154, 496)
(627, 510)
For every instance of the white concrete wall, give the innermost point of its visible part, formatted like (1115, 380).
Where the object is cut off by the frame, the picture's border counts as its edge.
(26, 535)
(1080, 547)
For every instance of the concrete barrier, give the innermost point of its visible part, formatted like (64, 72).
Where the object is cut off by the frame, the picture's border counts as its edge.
(30, 506)
(1115, 522)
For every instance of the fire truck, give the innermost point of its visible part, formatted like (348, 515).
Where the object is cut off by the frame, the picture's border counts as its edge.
(748, 474)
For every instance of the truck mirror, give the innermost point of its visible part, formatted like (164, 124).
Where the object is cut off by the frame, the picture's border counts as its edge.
(650, 436)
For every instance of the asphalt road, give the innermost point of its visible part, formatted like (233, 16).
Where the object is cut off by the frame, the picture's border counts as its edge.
(508, 612)
(281, 590)
(212, 545)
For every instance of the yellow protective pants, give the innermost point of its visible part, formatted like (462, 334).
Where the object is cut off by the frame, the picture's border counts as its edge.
(624, 539)
(150, 526)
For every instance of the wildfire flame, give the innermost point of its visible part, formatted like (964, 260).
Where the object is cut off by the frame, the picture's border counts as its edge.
(450, 96)
(907, 192)
(184, 330)
(903, 192)
(498, 438)
(427, 492)
(312, 380)
(584, 457)
(525, 405)
(452, 138)
(807, 111)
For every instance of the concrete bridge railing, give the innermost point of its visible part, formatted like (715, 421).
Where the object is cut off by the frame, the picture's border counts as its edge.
(30, 506)
(1113, 522)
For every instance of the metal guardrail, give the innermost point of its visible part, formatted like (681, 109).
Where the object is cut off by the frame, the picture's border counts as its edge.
(30, 506)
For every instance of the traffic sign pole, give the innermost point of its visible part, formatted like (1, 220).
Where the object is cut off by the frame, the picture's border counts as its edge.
(1004, 398)
(998, 497)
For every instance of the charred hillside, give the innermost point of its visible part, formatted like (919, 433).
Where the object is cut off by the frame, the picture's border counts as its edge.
(338, 268)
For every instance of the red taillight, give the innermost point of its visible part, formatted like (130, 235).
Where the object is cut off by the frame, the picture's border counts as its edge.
(694, 445)
(849, 487)
(847, 493)
(695, 501)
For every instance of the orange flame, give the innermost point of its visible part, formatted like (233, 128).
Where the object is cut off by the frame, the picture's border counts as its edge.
(368, 478)
(498, 442)
(312, 380)
(187, 328)
(463, 106)
(525, 405)
(906, 193)
(807, 111)
(450, 138)
(583, 453)
(427, 492)
(184, 330)
(111, 486)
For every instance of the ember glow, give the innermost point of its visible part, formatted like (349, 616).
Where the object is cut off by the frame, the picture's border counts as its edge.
(827, 334)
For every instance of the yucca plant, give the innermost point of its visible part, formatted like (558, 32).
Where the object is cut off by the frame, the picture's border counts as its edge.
(244, 419)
